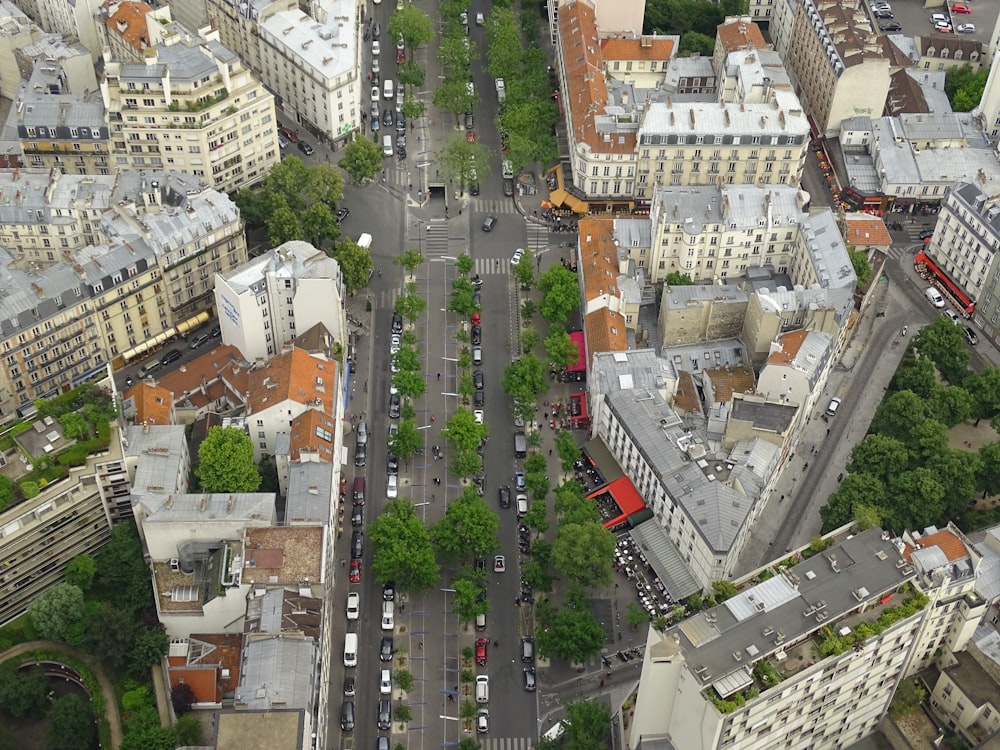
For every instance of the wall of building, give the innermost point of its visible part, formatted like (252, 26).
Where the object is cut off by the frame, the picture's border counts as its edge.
(701, 320)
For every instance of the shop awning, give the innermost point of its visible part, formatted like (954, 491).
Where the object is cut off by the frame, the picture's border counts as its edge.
(192, 322)
(558, 196)
(577, 205)
(581, 345)
(665, 559)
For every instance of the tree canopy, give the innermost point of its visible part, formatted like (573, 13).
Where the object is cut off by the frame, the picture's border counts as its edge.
(225, 462)
(468, 529)
(57, 611)
(401, 548)
(560, 288)
(362, 159)
(290, 187)
(964, 87)
(570, 633)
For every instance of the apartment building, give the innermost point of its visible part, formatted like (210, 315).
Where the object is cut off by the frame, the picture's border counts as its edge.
(69, 517)
(315, 62)
(237, 22)
(130, 27)
(638, 62)
(72, 18)
(58, 127)
(736, 34)
(626, 142)
(810, 657)
(18, 31)
(191, 106)
(269, 300)
(839, 64)
(702, 519)
(75, 66)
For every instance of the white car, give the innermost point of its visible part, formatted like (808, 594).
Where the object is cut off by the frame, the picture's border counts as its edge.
(966, 28)
(385, 682)
(376, 48)
(375, 66)
(388, 620)
(399, 42)
(480, 19)
(464, 17)
(376, 93)
(394, 343)
(937, 18)
(499, 564)
(483, 721)
(516, 257)
(391, 487)
(478, 414)
(353, 605)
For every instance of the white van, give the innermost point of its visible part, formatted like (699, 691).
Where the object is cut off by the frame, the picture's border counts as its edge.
(386, 145)
(365, 241)
(388, 89)
(934, 297)
(388, 615)
(351, 650)
(555, 732)
(483, 689)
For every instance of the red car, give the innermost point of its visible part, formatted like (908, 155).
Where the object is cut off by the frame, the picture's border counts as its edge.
(290, 134)
(475, 319)
(471, 136)
(355, 571)
(960, 8)
(481, 644)
(400, 56)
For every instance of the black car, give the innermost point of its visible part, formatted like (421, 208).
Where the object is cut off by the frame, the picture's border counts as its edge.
(477, 335)
(883, 14)
(479, 399)
(401, 153)
(172, 356)
(971, 336)
(388, 591)
(357, 545)
(401, 140)
(474, 188)
(306, 149)
(529, 679)
(401, 123)
(387, 118)
(505, 496)
(215, 332)
(480, 482)
(392, 464)
(357, 516)
(342, 213)
(927, 234)
(385, 713)
(470, 122)
(350, 687)
(385, 649)
(892, 26)
(377, 31)
(478, 380)
(394, 406)
(376, 80)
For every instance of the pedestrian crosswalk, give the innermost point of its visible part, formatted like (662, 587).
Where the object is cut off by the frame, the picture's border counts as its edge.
(507, 743)
(492, 266)
(494, 207)
(436, 236)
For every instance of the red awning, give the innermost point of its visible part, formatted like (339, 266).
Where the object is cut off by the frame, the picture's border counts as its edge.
(581, 363)
(963, 301)
(625, 495)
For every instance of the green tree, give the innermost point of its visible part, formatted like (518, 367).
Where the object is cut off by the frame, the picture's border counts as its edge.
(693, 43)
(412, 109)
(530, 338)
(407, 440)
(319, 224)
(560, 288)
(572, 506)
(524, 270)
(6, 493)
(862, 267)
(456, 53)
(964, 87)
(410, 384)
(915, 374)
(466, 599)
(907, 699)
(468, 528)
(30, 489)
(465, 463)
(23, 692)
(182, 698)
(109, 635)
(453, 95)
(409, 260)
(950, 405)
(536, 575)
(267, 467)
(412, 24)
(122, 574)
(225, 462)
(503, 38)
(898, 415)
(407, 359)
(724, 590)
(71, 724)
(866, 517)
(464, 264)
(411, 74)
(74, 425)
(676, 278)
(635, 616)
(355, 263)
(562, 350)
(401, 548)
(568, 450)
(944, 342)
(582, 552)
(463, 161)
(462, 297)
(410, 306)
(150, 647)
(524, 379)
(985, 389)
(468, 743)
(80, 572)
(282, 224)
(528, 308)
(189, 731)
(856, 490)
(537, 517)
(538, 485)
(880, 456)
(403, 679)
(57, 611)
(463, 432)
(588, 725)
(570, 633)
(989, 473)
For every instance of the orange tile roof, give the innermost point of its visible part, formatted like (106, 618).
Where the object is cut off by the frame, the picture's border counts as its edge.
(312, 432)
(646, 48)
(686, 399)
(203, 681)
(864, 229)
(600, 264)
(129, 22)
(727, 381)
(296, 376)
(153, 403)
(217, 372)
(208, 655)
(946, 541)
(739, 34)
(790, 344)
(605, 332)
(586, 90)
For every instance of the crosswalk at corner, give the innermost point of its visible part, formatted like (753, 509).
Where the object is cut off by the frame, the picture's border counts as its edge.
(507, 743)
(486, 206)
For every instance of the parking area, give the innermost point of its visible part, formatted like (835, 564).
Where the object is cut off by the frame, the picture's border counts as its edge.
(914, 18)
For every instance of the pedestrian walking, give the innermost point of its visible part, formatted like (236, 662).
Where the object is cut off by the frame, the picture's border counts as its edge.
(439, 376)
(602, 682)
(420, 645)
(432, 417)
(550, 451)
